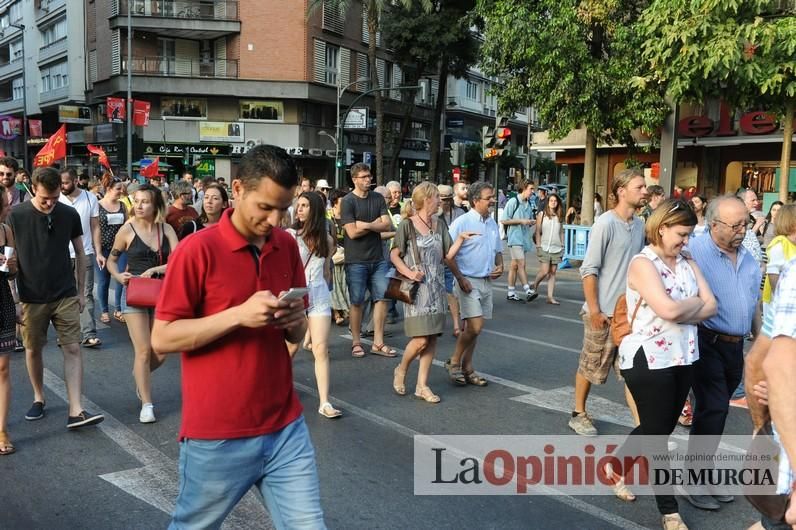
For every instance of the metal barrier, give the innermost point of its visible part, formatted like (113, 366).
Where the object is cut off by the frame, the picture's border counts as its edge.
(576, 239)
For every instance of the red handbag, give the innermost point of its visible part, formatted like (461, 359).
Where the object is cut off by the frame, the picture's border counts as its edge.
(144, 292)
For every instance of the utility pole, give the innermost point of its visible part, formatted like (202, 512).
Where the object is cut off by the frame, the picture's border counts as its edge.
(21, 28)
(130, 91)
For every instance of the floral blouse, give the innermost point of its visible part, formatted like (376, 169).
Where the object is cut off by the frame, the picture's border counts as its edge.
(665, 343)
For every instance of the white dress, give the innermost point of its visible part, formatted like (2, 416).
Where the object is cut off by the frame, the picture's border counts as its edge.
(320, 299)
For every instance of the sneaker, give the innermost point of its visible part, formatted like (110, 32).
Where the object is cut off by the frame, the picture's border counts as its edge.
(83, 419)
(531, 295)
(19, 346)
(512, 296)
(36, 411)
(582, 424)
(147, 414)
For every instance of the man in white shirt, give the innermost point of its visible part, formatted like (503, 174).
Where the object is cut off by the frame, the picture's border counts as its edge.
(87, 207)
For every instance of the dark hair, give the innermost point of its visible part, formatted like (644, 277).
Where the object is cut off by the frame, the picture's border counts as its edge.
(336, 195)
(267, 161)
(314, 231)
(71, 171)
(157, 200)
(9, 161)
(655, 190)
(47, 177)
(775, 203)
(559, 211)
(359, 167)
(224, 199)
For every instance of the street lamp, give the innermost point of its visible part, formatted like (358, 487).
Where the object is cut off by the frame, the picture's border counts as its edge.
(21, 28)
(338, 165)
(330, 136)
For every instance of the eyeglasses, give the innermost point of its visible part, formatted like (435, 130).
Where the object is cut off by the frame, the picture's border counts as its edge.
(738, 227)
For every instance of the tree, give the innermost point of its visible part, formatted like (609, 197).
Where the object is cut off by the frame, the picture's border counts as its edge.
(438, 41)
(572, 60)
(742, 51)
(373, 10)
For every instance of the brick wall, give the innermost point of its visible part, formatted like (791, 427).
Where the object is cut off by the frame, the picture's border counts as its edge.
(277, 34)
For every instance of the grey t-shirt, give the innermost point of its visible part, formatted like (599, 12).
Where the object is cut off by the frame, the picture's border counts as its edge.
(612, 243)
(368, 248)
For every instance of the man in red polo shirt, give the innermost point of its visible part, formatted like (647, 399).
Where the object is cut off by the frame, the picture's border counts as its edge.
(242, 424)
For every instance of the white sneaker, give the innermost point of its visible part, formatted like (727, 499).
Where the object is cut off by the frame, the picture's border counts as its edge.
(531, 295)
(147, 413)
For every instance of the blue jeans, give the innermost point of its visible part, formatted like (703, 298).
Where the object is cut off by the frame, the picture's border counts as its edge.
(361, 277)
(215, 474)
(104, 283)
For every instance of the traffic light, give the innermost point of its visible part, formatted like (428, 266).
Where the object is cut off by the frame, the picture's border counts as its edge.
(502, 135)
(349, 157)
(488, 143)
(457, 154)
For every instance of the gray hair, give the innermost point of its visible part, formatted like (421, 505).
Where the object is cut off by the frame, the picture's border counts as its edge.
(393, 185)
(382, 190)
(179, 187)
(474, 192)
(712, 211)
(445, 189)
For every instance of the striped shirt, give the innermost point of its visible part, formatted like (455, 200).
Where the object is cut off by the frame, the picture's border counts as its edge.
(735, 286)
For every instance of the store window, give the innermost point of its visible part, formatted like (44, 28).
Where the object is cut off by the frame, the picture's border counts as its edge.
(262, 110)
(183, 107)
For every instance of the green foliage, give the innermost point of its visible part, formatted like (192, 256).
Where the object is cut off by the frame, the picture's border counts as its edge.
(743, 51)
(573, 61)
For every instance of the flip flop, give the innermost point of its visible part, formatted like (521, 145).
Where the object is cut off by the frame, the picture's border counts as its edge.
(105, 318)
(383, 350)
(6, 447)
(357, 350)
(119, 316)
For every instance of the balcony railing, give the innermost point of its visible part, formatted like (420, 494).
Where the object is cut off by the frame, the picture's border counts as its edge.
(183, 67)
(192, 9)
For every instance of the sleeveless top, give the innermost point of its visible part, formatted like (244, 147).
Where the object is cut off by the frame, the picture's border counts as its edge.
(313, 263)
(140, 257)
(665, 343)
(110, 224)
(551, 235)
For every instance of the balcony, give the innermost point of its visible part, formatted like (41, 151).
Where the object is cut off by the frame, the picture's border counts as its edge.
(9, 69)
(10, 105)
(53, 50)
(180, 19)
(182, 67)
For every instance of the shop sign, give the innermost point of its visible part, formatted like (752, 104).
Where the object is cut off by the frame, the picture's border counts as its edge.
(752, 123)
(10, 127)
(220, 131)
(357, 118)
(242, 149)
(187, 149)
(74, 114)
(206, 168)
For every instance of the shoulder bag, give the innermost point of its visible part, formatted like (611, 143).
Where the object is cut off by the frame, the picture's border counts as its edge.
(400, 287)
(144, 292)
(620, 327)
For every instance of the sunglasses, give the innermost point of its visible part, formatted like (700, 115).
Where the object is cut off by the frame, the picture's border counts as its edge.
(7, 173)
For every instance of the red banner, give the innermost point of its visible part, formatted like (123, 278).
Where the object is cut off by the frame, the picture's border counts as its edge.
(35, 128)
(54, 149)
(151, 170)
(115, 109)
(103, 158)
(140, 113)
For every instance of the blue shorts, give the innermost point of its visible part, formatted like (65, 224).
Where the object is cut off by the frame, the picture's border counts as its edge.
(448, 281)
(366, 276)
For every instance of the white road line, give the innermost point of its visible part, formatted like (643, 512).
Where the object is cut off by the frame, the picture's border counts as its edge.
(156, 483)
(531, 341)
(565, 319)
(551, 493)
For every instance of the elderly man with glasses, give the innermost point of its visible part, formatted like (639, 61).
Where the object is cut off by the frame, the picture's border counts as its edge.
(734, 277)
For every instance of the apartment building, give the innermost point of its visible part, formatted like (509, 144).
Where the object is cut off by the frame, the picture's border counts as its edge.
(222, 76)
(42, 65)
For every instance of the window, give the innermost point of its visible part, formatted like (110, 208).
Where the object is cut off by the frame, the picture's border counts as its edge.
(54, 32)
(15, 49)
(17, 88)
(471, 90)
(168, 54)
(332, 56)
(54, 76)
(15, 12)
(184, 107)
(333, 17)
(262, 110)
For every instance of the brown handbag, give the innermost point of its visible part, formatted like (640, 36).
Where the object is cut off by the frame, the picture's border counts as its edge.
(620, 327)
(773, 505)
(144, 292)
(400, 287)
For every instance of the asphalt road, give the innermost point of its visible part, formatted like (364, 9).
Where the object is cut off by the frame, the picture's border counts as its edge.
(122, 474)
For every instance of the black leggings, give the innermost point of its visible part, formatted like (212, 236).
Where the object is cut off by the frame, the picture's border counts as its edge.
(659, 395)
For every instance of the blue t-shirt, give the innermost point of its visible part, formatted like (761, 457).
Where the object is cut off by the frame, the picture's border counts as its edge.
(518, 235)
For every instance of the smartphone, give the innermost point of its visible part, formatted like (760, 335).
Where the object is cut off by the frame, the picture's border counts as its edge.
(294, 293)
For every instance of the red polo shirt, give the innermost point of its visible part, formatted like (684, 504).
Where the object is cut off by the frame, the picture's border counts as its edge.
(241, 385)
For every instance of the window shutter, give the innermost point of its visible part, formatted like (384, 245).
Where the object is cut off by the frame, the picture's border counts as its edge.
(362, 70)
(380, 72)
(92, 66)
(319, 73)
(116, 52)
(397, 80)
(186, 57)
(221, 57)
(344, 66)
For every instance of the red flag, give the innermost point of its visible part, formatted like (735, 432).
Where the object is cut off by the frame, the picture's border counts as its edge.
(54, 149)
(140, 113)
(115, 109)
(151, 170)
(103, 158)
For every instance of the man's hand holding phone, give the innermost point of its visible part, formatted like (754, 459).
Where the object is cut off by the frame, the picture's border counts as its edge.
(264, 309)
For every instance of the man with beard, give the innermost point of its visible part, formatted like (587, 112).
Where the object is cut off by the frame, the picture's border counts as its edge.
(8, 172)
(616, 237)
(734, 277)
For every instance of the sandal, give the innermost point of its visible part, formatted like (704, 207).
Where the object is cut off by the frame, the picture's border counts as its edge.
(328, 411)
(620, 490)
(118, 315)
(6, 447)
(91, 342)
(425, 393)
(687, 415)
(105, 318)
(357, 351)
(398, 381)
(383, 350)
(553, 301)
(455, 373)
(473, 378)
(339, 321)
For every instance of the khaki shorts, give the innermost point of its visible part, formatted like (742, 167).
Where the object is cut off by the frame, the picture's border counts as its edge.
(63, 314)
(599, 353)
(478, 302)
(517, 252)
(553, 258)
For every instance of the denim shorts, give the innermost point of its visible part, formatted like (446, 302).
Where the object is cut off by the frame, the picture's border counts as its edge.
(127, 310)
(448, 281)
(366, 276)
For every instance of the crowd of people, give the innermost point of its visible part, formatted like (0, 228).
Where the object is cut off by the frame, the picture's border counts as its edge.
(695, 279)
